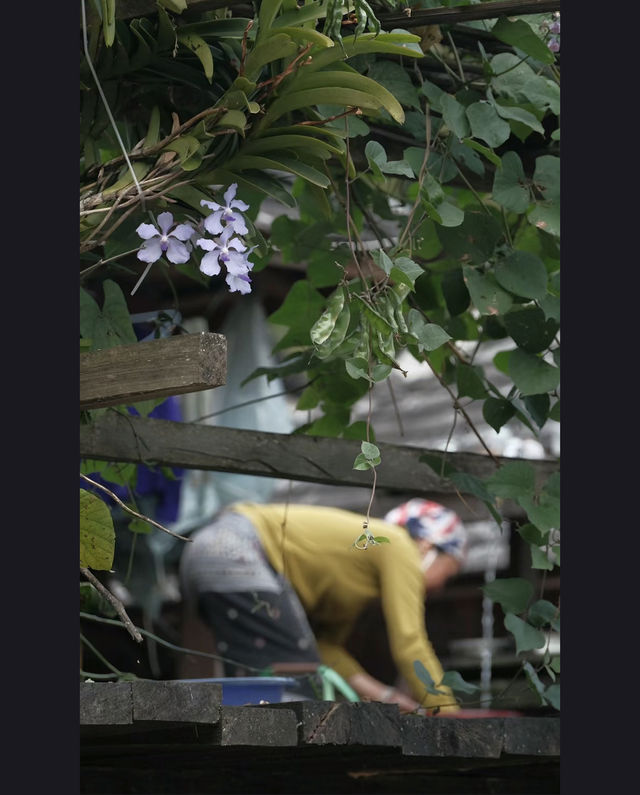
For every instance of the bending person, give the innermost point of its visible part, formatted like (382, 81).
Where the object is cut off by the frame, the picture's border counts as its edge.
(281, 583)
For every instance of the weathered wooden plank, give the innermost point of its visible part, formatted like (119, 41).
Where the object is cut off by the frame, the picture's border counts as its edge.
(106, 703)
(341, 723)
(532, 736)
(453, 737)
(176, 701)
(127, 374)
(258, 727)
(115, 437)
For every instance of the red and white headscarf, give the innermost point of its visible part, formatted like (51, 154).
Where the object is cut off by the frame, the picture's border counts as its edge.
(439, 525)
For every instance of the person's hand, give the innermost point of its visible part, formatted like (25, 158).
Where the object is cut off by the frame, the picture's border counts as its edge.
(405, 703)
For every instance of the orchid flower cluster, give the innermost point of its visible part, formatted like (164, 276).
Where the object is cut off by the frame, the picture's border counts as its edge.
(226, 248)
(551, 27)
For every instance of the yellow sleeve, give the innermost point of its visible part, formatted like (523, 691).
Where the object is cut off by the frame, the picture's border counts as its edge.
(337, 657)
(402, 594)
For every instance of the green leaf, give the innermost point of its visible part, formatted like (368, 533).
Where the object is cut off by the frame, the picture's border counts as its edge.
(97, 536)
(470, 484)
(370, 451)
(474, 241)
(406, 271)
(543, 510)
(395, 78)
(109, 326)
(329, 95)
(510, 187)
(518, 114)
(425, 677)
(201, 50)
(526, 636)
(185, 146)
(523, 274)
(297, 167)
(517, 80)
(487, 295)
(538, 408)
(455, 681)
(520, 34)
(512, 480)
(381, 540)
(396, 42)
(545, 217)
(276, 47)
(445, 213)
(454, 116)
(530, 533)
(299, 311)
(531, 374)
(554, 414)
(488, 153)
(470, 381)
(429, 335)
(377, 159)
(108, 21)
(552, 695)
(544, 612)
(530, 329)
(486, 124)
(497, 412)
(455, 291)
(512, 593)
(540, 560)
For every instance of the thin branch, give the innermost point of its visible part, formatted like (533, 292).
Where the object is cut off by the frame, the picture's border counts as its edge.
(131, 511)
(423, 169)
(461, 409)
(115, 602)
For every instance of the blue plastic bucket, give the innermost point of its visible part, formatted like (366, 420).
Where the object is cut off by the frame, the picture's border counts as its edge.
(239, 690)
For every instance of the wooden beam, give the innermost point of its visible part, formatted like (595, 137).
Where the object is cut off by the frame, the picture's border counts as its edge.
(458, 14)
(115, 437)
(127, 374)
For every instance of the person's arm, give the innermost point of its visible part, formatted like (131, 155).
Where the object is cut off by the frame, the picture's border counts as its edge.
(402, 596)
(366, 686)
(371, 689)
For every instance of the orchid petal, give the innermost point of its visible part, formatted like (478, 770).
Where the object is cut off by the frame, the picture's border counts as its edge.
(206, 244)
(239, 204)
(211, 205)
(237, 244)
(151, 251)
(177, 252)
(209, 264)
(212, 223)
(239, 225)
(230, 193)
(240, 284)
(183, 232)
(146, 231)
(237, 264)
(165, 222)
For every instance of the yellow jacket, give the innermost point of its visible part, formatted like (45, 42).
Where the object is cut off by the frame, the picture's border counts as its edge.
(313, 547)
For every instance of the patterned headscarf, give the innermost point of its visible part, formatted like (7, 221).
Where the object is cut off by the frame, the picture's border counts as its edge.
(430, 520)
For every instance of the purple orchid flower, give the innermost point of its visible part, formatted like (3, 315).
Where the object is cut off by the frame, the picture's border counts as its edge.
(225, 212)
(159, 241)
(225, 249)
